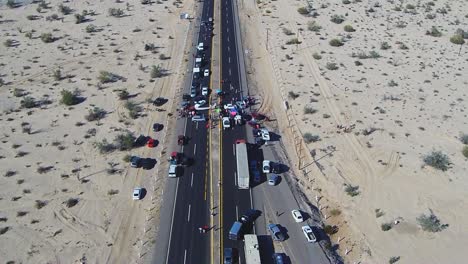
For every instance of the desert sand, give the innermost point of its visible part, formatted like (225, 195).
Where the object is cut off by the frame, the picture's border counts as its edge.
(372, 117)
(61, 199)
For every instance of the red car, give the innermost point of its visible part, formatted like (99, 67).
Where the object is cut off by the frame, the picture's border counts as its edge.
(150, 143)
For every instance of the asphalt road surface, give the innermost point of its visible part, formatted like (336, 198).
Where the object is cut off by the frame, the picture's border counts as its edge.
(186, 205)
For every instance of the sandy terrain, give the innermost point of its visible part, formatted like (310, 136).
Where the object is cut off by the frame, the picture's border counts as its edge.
(413, 97)
(48, 151)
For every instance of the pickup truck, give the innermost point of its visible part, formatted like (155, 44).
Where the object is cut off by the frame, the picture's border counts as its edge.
(309, 234)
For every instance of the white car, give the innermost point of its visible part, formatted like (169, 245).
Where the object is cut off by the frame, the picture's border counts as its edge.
(206, 73)
(309, 234)
(297, 215)
(265, 134)
(200, 46)
(226, 122)
(229, 106)
(204, 91)
(137, 193)
(266, 166)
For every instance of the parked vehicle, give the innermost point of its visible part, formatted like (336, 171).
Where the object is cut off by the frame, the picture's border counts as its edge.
(226, 122)
(137, 193)
(279, 258)
(206, 73)
(251, 249)
(159, 101)
(297, 215)
(235, 233)
(172, 173)
(230, 256)
(204, 91)
(200, 46)
(309, 234)
(151, 143)
(157, 127)
(276, 233)
(265, 134)
(181, 140)
(198, 118)
(273, 179)
(135, 161)
(243, 176)
(249, 216)
(266, 166)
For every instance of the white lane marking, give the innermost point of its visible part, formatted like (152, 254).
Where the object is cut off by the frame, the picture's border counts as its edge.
(228, 39)
(194, 149)
(188, 216)
(229, 59)
(234, 150)
(172, 222)
(229, 71)
(237, 212)
(191, 182)
(235, 179)
(196, 126)
(251, 206)
(185, 256)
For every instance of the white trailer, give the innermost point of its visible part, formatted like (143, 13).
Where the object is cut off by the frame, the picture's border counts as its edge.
(252, 250)
(242, 164)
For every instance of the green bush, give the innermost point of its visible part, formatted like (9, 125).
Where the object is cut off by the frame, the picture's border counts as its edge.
(384, 46)
(349, 28)
(393, 260)
(28, 102)
(126, 158)
(457, 39)
(430, 223)
(71, 202)
(309, 110)
(331, 66)
(156, 72)
(39, 204)
(107, 77)
(133, 109)
(337, 19)
(79, 18)
(11, 3)
(313, 26)
(374, 54)
(303, 10)
(91, 28)
(465, 151)
(8, 43)
(69, 98)
(336, 43)
(47, 37)
(434, 32)
(352, 190)
(386, 226)
(123, 94)
(124, 141)
(65, 10)
(437, 160)
(293, 41)
(115, 12)
(287, 31)
(292, 95)
(104, 146)
(57, 74)
(330, 230)
(316, 56)
(309, 138)
(95, 114)
(410, 6)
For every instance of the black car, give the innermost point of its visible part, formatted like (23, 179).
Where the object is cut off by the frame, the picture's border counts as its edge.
(157, 127)
(250, 216)
(135, 162)
(159, 101)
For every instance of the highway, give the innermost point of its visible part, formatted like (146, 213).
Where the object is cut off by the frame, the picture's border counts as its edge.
(186, 199)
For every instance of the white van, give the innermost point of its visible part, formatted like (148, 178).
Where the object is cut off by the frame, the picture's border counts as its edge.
(172, 171)
(198, 118)
(200, 46)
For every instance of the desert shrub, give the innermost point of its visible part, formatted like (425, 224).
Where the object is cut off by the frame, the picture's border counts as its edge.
(349, 28)
(104, 146)
(21, 213)
(69, 98)
(374, 54)
(52, 17)
(410, 6)
(326, 116)
(123, 94)
(39, 204)
(287, 31)
(124, 141)
(335, 212)
(386, 226)
(313, 26)
(465, 151)
(80, 18)
(57, 74)
(292, 95)
(11, 3)
(336, 43)
(293, 41)
(309, 138)
(384, 46)
(346, 2)
(112, 192)
(434, 32)
(10, 173)
(91, 28)
(330, 230)
(437, 160)
(392, 83)
(3, 230)
(337, 19)
(331, 66)
(352, 190)
(430, 223)
(126, 158)
(457, 39)
(29, 34)
(3, 219)
(156, 71)
(316, 56)
(107, 77)
(133, 109)
(8, 43)
(115, 12)
(28, 102)
(47, 37)
(95, 114)
(42, 169)
(71, 202)
(65, 10)
(303, 10)
(163, 57)
(378, 213)
(392, 260)
(309, 110)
